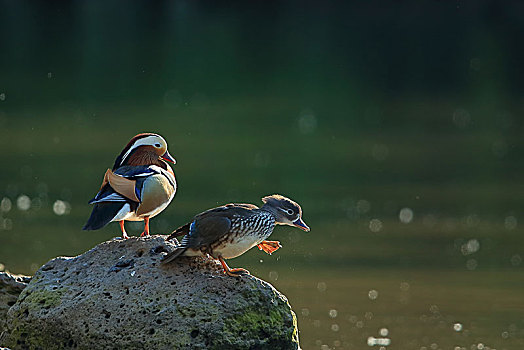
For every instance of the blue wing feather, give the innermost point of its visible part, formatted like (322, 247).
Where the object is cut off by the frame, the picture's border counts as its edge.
(136, 172)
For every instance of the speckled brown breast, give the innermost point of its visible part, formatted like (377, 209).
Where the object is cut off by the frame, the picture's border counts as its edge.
(245, 233)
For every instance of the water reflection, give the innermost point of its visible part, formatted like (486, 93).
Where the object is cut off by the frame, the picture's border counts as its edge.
(5, 205)
(470, 247)
(61, 207)
(23, 202)
(307, 122)
(372, 294)
(406, 215)
(372, 341)
(510, 222)
(516, 260)
(375, 225)
(6, 224)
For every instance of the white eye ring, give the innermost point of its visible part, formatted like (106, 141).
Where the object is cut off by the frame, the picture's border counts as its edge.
(287, 211)
(157, 145)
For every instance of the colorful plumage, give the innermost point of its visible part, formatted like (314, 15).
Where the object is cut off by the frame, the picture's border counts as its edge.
(140, 185)
(230, 230)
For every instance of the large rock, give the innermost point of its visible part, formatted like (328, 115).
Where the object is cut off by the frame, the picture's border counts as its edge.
(118, 296)
(10, 288)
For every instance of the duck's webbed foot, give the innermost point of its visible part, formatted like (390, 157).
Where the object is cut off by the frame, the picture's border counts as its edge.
(237, 272)
(269, 246)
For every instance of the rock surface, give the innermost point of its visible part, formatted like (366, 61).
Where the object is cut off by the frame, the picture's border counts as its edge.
(118, 296)
(10, 288)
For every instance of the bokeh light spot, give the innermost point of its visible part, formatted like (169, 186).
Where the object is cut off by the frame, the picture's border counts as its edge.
(510, 222)
(405, 215)
(375, 225)
(5, 205)
(61, 207)
(23, 202)
(307, 122)
(321, 286)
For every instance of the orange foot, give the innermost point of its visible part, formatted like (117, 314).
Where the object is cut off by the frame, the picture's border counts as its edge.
(146, 227)
(269, 246)
(232, 272)
(237, 272)
(124, 234)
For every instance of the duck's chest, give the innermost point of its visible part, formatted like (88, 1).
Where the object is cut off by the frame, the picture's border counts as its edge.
(244, 234)
(157, 193)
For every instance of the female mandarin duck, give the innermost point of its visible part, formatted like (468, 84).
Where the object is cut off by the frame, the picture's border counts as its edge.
(140, 185)
(229, 231)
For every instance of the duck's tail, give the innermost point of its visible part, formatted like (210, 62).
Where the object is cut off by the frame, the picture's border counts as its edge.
(103, 213)
(173, 255)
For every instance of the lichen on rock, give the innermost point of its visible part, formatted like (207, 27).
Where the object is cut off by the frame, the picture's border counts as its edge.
(117, 295)
(10, 288)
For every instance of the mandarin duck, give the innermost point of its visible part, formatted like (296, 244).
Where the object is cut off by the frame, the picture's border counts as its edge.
(140, 185)
(230, 230)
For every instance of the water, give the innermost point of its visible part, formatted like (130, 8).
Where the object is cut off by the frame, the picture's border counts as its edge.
(408, 319)
(402, 144)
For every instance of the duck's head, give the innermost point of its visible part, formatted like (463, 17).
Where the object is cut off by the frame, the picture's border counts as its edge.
(286, 211)
(144, 149)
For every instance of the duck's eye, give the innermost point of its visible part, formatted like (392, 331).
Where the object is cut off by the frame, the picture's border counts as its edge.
(157, 145)
(290, 212)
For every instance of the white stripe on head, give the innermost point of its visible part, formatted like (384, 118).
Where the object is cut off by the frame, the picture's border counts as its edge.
(145, 141)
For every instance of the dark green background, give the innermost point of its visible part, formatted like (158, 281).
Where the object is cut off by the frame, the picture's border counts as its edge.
(355, 110)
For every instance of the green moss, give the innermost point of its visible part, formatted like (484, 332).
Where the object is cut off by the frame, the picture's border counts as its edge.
(19, 337)
(253, 320)
(165, 340)
(44, 298)
(260, 328)
(24, 335)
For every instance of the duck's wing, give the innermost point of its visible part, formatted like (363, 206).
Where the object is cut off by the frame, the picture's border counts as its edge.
(200, 233)
(227, 210)
(125, 183)
(212, 225)
(207, 228)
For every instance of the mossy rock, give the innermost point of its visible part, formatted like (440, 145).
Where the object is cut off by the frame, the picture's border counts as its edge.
(118, 296)
(10, 288)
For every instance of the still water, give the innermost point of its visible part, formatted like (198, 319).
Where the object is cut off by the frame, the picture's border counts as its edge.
(398, 266)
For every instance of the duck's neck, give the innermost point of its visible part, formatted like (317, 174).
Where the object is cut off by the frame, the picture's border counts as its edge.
(270, 209)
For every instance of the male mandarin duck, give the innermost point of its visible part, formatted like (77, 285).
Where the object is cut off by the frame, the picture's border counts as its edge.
(230, 230)
(140, 185)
